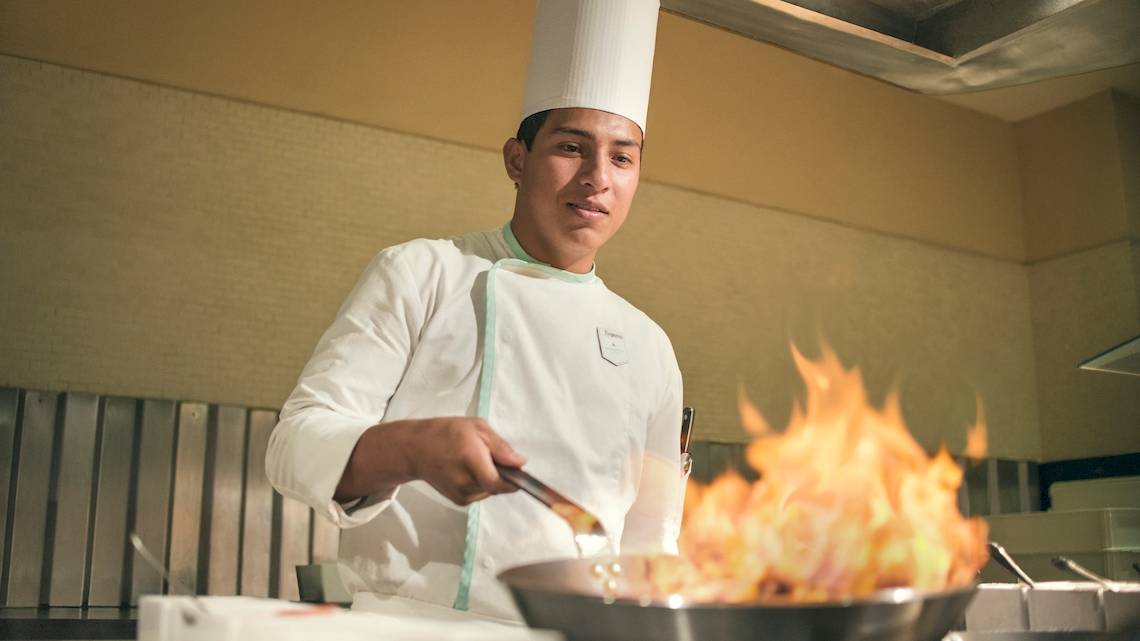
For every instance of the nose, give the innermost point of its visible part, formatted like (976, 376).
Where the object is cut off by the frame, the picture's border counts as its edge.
(595, 172)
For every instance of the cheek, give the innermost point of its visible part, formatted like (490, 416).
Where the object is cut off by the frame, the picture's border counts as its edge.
(626, 189)
(551, 178)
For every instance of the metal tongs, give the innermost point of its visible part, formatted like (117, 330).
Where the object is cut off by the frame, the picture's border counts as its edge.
(581, 520)
(589, 534)
(999, 554)
(1068, 565)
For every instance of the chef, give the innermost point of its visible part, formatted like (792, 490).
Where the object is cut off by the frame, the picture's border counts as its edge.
(502, 347)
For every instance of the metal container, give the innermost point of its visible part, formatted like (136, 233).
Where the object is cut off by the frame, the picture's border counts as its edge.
(567, 596)
(1056, 607)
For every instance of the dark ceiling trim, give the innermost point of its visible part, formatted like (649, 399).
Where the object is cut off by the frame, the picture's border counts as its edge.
(865, 14)
(971, 24)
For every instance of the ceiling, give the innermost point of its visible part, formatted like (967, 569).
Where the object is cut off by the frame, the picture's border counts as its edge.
(1018, 103)
(1008, 58)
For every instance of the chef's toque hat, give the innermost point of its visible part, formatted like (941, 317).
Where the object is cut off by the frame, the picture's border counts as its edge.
(596, 54)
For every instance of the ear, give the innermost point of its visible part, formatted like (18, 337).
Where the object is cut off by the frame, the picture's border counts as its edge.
(514, 159)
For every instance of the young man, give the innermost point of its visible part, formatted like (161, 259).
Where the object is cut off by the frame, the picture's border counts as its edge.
(497, 347)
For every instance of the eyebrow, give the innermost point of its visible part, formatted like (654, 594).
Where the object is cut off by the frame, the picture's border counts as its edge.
(623, 142)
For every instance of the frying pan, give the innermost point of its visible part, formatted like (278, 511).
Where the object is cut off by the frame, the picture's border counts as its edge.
(567, 595)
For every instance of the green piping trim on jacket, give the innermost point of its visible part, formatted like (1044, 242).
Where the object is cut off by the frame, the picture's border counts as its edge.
(483, 409)
(561, 274)
(470, 540)
(486, 375)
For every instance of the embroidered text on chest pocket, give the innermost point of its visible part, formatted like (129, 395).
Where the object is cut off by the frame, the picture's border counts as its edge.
(612, 345)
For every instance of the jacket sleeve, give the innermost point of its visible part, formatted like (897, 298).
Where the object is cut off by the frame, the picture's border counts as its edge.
(653, 523)
(345, 388)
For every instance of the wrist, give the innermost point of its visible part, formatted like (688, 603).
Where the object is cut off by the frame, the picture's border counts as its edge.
(391, 446)
(378, 463)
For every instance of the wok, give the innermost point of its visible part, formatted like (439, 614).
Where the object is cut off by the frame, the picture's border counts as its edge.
(566, 595)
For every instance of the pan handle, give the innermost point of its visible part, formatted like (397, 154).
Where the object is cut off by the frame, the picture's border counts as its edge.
(687, 417)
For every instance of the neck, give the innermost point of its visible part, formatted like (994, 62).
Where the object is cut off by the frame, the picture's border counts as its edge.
(532, 243)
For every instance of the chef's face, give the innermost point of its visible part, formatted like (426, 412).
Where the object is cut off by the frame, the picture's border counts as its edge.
(575, 184)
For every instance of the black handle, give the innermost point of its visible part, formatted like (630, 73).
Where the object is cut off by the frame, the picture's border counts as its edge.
(687, 416)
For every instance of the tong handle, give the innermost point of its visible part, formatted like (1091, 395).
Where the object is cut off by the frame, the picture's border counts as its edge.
(581, 521)
(532, 486)
(1071, 566)
(999, 554)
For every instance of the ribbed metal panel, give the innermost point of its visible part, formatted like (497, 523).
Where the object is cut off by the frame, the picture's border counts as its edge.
(202, 501)
(152, 493)
(109, 542)
(257, 532)
(30, 509)
(9, 410)
(73, 499)
(226, 500)
(294, 546)
(186, 510)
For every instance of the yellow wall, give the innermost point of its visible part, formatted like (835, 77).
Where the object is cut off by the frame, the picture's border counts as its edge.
(728, 116)
(158, 242)
(162, 242)
(1082, 206)
(1072, 178)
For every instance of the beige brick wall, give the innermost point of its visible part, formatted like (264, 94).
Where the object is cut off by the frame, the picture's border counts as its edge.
(157, 242)
(1084, 303)
(729, 115)
(1080, 169)
(165, 243)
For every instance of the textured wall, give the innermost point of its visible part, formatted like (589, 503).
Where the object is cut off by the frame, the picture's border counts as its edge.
(156, 242)
(729, 115)
(1084, 303)
(1081, 176)
(183, 246)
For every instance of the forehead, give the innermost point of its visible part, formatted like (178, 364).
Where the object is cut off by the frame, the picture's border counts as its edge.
(601, 125)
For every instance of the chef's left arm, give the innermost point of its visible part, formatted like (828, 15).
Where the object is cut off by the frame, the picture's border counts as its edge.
(653, 522)
(344, 389)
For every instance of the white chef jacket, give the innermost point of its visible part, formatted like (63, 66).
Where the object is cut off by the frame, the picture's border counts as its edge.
(582, 383)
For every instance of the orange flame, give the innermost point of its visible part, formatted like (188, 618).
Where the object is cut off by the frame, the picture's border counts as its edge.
(750, 417)
(847, 503)
(977, 440)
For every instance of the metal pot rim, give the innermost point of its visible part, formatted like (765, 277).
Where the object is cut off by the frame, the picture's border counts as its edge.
(515, 578)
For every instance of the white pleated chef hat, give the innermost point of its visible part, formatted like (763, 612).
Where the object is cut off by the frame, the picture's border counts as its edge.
(596, 54)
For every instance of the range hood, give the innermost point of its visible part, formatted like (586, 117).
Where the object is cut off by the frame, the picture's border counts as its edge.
(1122, 359)
(939, 46)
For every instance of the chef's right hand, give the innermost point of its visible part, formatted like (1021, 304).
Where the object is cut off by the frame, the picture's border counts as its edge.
(455, 455)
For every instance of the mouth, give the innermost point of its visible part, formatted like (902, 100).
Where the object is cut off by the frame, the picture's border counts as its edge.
(587, 210)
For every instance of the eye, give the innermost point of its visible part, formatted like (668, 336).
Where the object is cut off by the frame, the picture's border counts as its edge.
(623, 159)
(569, 147)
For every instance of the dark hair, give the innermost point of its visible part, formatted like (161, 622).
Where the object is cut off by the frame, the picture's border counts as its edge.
(529, 127)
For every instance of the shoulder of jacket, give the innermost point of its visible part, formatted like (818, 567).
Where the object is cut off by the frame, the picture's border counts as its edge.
(419, 253)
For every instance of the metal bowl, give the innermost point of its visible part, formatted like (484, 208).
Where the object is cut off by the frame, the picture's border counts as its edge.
(567, 596)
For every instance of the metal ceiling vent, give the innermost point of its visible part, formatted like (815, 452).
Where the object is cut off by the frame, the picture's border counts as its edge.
(939, 46)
